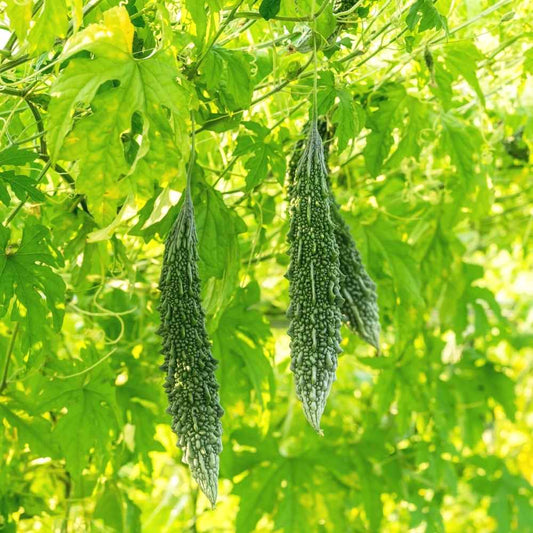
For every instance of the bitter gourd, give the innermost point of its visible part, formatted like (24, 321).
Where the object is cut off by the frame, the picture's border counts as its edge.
(190, 383)
(314, 277)
(359, 308)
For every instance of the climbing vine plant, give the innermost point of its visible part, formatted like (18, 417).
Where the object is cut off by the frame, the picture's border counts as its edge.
(411, 123)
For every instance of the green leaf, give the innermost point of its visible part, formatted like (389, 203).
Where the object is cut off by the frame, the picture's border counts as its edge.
(424, 14)
(528, 60)
(326, 92)
(371, 487)
(146, 86)
(217, 227)
(19, 13)
(258, 493)
(501, 388)
(21, 186)
(117, 511)
(15, 156)
(500, 509)
(51, 23)
(239, 345)
(34, 431)
(257, 166)
(462, 143)
(382, 122)
(91, 416)
(383, 240)
(348, 118)
(140, 399)
(228, 73)
(293, 514)
(264, 155)
(410, 144)
(461, 60)
(325, 23)
(26, 274)
(269, 8)
(199, 16)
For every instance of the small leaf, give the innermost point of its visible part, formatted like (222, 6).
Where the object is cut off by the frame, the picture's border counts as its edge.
(382, 122)
(21, 186)
(199, 16)
(27, 274)
(228, 72)
(528, 60)
(50, 23)
(424, 13)
(348, 117)
(19, 13)
(269, 8)
(461, 141)
(461, 60)
(15, 156)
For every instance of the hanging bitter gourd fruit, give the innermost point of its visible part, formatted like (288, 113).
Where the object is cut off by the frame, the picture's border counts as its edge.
(314, 277)
(359, 307)
(190, 383)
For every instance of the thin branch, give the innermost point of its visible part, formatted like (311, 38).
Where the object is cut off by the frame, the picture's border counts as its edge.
(284, 84)
(43, 155)
(15, 211)
(268, 44)
(40, 125)
(221, 29)
(478, 17)
(9, 352)
(240, 30)
(276, 89)
(88, 369)
(12, 92)
(14, 63)
(310, 18)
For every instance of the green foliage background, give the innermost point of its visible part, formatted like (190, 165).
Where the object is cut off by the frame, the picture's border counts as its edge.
(432, 104)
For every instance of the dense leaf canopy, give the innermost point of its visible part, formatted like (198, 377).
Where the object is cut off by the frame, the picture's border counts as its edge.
(430, 109)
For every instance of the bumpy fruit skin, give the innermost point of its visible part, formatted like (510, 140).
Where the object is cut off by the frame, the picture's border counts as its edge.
(359, 307)
(314, 276)
(190, 383)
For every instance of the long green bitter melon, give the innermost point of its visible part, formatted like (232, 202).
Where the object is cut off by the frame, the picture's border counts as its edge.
(314, 277)
(190, 383)
(359, 308)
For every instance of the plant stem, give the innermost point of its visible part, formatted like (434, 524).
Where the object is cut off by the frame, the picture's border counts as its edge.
(270, 93)
(481, 15)
(25, 95)
(310, 18)
(15, 211)
(192, 158)
(268, 44)
(315, 72)
(15, 63)
(283, 84)
(221, 29)
(9, 352)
